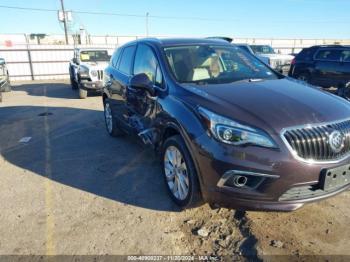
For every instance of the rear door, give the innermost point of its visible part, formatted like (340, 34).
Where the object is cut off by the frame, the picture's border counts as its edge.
(327, 71)
(119, 74)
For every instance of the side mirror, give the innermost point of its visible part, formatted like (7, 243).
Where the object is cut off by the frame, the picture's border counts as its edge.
(142, 82)
(2, 61)
(75, 61)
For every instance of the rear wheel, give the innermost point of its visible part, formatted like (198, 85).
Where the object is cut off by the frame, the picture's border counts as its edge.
(344, 91)
(180, 174)
(304, 77)
(111, 124)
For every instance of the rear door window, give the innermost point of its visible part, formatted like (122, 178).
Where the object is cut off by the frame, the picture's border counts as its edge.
(115, 58)
(126, 60)
(328, 55)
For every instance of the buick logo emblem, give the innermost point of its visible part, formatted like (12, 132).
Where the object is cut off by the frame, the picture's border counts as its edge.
(336, 141)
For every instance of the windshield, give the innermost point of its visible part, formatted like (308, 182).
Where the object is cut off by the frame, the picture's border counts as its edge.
(215, 64)
(262, 49)
(94, 55)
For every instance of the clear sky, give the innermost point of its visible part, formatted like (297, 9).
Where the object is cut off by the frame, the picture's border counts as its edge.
(239, 18)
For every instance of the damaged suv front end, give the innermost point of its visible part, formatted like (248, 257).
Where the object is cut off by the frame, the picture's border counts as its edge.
(229, 128)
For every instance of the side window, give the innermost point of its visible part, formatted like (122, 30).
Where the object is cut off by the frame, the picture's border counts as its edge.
(305, 54)
(146, 62)
(115, 57)
(345, 56)
(328, 55)
(126, 60)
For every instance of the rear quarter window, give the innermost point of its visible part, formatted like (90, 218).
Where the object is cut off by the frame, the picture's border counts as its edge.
(305, 55)
(115, 58)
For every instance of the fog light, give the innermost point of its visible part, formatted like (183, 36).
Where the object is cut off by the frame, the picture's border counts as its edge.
(240, 181)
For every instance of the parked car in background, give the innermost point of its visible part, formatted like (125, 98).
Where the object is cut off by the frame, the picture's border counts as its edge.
(86, 70)
(326, 66)
(5, 85)
(230, 131)
(248, 49)
(279, 62)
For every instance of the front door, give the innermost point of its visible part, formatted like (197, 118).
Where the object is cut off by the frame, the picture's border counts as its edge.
(140, 103)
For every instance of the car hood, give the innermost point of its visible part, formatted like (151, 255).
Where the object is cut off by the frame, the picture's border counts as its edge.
(270, 104)
(99, 65)
(277, 56)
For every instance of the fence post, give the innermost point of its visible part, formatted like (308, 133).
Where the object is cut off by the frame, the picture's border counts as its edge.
(30, 63)
(29, 58)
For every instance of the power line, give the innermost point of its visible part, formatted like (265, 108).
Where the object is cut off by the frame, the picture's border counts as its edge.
(169, 17)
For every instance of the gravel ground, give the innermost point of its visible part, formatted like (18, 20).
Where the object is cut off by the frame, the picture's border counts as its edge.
(73, 190)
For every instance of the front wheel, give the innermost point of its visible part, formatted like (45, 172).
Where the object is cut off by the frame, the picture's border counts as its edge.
(7, 88)
(180, 174)
(82, 93)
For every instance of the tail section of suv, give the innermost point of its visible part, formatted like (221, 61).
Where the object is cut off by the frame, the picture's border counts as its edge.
(326, 66)
(229, 130)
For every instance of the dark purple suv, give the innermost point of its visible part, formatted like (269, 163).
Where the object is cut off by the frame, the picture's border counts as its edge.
(230, 131)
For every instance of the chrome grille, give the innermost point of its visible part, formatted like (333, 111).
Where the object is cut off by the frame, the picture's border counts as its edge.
(100, 74)
(313, 142)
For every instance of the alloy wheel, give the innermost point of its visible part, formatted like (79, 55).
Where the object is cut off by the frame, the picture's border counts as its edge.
(176, 173)
(108, 118)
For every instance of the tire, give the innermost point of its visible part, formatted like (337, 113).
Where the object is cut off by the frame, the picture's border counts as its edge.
(111, 124)
(305, 77)
(82, 93)
(193, 197)
(343, 90)
(7, 88)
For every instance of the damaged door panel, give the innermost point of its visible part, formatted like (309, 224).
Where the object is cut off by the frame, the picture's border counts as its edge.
(142, 100)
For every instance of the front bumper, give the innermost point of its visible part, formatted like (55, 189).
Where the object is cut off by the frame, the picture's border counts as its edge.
(276, 174)
(91, 85)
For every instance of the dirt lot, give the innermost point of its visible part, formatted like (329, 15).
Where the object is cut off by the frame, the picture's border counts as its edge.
(72, 189)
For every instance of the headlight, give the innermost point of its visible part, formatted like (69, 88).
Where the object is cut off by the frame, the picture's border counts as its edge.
(83, 72)
(234, 133)
(93, 73)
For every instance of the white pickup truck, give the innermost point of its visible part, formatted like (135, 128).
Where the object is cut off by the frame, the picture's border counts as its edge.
(4, 78)
(86, 70)
(279, 62)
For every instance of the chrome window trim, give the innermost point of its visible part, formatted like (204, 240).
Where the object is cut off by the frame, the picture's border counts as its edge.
(306, 126)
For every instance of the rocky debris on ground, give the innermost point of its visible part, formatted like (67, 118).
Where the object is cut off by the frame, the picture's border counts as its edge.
(276, 243)
(212, 232)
